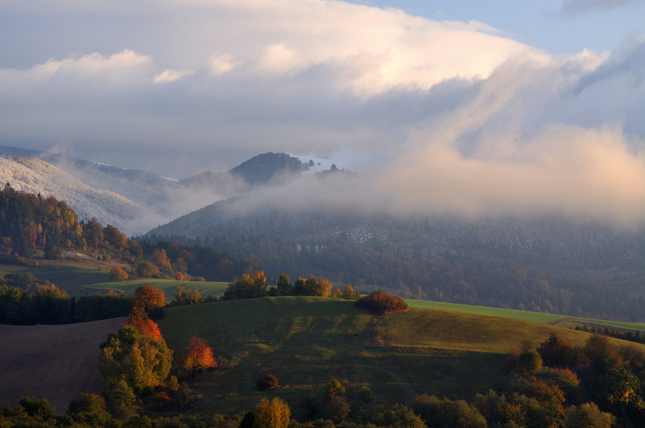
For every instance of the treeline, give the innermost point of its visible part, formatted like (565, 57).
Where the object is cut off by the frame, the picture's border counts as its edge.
(628, 335)
(414, 272)
(175, 260)
(248, 287)
(47, 304)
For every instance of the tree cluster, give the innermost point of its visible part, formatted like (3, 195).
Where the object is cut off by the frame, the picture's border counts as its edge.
(174, 260)
(467, 276)
(31, 225)
(382, 303)
(44, 303)
(248, 287)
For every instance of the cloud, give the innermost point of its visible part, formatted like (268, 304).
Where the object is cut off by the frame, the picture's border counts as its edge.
(580, 7)
(222, 63)
(168, 76)
(247, 77)
(451, 115)
(513, 148)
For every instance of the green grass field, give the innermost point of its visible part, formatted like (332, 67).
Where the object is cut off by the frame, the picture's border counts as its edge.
(561, 320)
(68, 275)
(307, 341)
(206, 289)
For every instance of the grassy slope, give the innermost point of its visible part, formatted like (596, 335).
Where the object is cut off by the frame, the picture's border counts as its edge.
(90, 276)
(306, 342)
(562, 320)
(68, 275)
(167, 285)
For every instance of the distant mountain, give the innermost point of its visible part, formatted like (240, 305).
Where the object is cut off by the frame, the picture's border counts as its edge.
(36, 176)
(145, 188)
(543, 263)
(149, 198)
(257, 171)
(263, 168)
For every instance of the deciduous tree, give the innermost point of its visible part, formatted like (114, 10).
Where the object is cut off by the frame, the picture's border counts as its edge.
(118, 274)
(273, 414)
(198, 356)
(148, 297)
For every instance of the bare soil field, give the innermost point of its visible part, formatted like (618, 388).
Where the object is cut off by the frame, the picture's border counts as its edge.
(56, 362)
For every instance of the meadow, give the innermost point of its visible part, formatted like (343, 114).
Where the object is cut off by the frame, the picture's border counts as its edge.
(68, 275)
(307, 341)
(540, 317)
(169, 286)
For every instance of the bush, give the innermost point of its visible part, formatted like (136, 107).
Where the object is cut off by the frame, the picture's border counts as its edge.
(444, 413)
(267, 382)
(529, 362)
(147, 270)
(38, 408)
(90, 404)
(118, 274)
(382, 304)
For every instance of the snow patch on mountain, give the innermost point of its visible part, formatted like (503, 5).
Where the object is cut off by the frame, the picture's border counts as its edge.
(38, 177)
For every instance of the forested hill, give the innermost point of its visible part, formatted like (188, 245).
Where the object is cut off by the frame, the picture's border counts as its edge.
(32, 226)
(543, 264)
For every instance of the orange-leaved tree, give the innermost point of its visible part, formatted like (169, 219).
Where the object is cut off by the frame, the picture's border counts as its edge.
(139, 319)
(148, 297)
(118, 274)
(198, 356)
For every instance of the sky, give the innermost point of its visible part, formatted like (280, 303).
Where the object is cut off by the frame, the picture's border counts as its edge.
(467, 105)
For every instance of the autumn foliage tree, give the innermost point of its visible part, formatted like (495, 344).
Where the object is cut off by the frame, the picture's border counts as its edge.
(118, 274)
(247, 287)
(148, 298)
(313, 287)
(198, 356)
(273, 414)
(133, 360)
(139, 320)
(267, 382)
(382, 303)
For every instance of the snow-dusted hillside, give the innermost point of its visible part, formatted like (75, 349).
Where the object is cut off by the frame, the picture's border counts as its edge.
(36, 176)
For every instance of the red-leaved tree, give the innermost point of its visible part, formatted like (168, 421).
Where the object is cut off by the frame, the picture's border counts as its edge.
(198, 356)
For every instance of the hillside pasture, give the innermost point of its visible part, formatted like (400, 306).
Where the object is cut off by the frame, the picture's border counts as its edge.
(56, 362)
(307, 341)
(68, 275)
(169, 286)
(540, 317)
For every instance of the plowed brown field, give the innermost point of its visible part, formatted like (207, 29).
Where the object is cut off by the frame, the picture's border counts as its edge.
(56, 362)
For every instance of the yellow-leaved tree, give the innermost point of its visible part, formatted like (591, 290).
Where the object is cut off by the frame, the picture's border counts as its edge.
(273, 414)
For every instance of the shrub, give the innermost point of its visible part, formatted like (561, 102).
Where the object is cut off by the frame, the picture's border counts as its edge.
(335, 388)
(561, 353)
(588, 416)
(382, 303)
(38, 408)
(90, 404)
(267, 382)
(443, 413)
(529, 362)
(147, 270)
(365, 393)
(118, 274)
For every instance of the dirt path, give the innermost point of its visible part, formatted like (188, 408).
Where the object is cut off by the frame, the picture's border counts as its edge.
(56, 362)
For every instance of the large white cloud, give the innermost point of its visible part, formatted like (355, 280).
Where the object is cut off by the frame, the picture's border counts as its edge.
(458, 115)
(297, 75)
